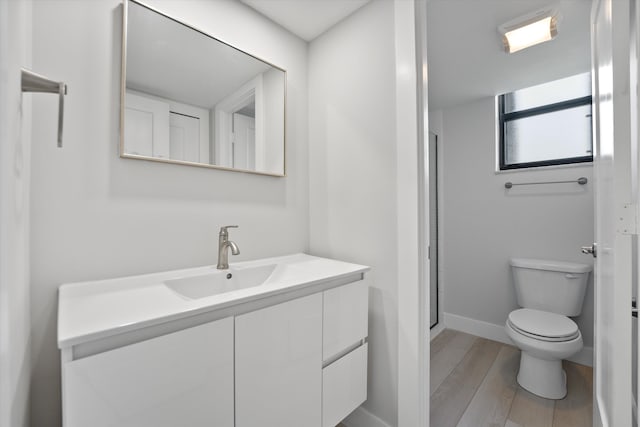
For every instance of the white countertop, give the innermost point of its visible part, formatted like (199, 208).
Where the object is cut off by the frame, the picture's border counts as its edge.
(102, 308)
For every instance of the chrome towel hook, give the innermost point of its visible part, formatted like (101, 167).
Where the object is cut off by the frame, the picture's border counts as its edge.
(32, 82)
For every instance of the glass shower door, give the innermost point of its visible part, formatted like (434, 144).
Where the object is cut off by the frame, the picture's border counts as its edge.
(433, 227)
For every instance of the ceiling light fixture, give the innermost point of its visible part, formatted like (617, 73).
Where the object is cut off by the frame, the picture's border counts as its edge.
(531, 29)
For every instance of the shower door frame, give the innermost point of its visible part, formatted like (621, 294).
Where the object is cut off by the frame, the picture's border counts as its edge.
(433, 244)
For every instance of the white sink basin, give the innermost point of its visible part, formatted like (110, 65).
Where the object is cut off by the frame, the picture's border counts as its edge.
(99, 309)
(220, 281)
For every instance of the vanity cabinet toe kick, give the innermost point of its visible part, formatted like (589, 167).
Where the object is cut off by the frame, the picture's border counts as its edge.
(298, 362)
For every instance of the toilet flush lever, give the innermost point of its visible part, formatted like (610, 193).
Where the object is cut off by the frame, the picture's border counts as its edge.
(590, 250)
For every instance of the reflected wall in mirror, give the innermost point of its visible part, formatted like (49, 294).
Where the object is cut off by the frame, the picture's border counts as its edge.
(192, 99)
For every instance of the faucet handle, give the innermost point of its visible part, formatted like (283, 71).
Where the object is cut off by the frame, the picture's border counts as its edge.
(223, 229)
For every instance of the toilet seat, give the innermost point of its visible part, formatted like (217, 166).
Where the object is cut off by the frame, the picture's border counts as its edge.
(542, 325)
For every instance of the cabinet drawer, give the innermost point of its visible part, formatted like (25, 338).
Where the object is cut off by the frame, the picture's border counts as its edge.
(344, 317)
(344, 386)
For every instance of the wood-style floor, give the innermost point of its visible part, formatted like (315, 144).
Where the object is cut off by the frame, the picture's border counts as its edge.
(473, 384)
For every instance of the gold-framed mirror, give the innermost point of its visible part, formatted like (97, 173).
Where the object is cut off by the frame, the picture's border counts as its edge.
(189, 98)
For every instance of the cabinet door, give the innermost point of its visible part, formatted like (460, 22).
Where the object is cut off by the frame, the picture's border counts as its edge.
(279, 365)
(345, 318)
(180, 379)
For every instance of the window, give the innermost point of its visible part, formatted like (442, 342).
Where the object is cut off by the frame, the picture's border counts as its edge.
(545, 125)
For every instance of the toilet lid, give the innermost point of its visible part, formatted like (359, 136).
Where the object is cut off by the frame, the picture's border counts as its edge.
(549, 326)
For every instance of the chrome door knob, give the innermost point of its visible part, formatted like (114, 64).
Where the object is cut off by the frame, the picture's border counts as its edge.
(590, 250)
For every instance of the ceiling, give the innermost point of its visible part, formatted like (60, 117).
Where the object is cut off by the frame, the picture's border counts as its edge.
(466, 60)
(159, 64)
(306, 19)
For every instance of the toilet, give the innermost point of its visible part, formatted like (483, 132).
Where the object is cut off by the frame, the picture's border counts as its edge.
(548, 292)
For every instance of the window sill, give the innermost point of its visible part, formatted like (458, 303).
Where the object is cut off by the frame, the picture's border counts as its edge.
(545, 168)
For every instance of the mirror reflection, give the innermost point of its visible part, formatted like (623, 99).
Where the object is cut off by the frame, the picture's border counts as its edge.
(189, 98)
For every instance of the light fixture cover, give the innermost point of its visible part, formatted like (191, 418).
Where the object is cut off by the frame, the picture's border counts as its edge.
(530, 29)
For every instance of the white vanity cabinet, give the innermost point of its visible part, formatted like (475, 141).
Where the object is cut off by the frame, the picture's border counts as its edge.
(181, 379)
(278, 365)
(289, 352)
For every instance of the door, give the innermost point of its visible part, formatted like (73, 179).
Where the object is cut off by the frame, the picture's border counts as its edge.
(244, 143)
(614, 213)
(147, 123)
(184, 137)
(634, 115)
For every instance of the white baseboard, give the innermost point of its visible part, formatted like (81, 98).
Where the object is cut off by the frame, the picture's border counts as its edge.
(583, 357)
(494, 332)
(487, 330)
(436, 330)
(363, 418)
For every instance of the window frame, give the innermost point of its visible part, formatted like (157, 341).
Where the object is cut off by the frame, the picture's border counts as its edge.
(504, 118)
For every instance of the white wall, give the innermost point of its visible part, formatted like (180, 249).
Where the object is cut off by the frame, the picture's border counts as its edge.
(96, 215)
(273, 117)
(15, 152)
(485, 224)
(352, 147)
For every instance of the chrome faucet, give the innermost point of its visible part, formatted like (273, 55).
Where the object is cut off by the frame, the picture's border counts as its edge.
(223, 245)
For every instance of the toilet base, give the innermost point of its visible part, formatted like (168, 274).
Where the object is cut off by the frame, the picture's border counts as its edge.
(542, 377)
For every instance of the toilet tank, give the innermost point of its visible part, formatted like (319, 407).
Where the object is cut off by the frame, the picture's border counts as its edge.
(553, 286)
